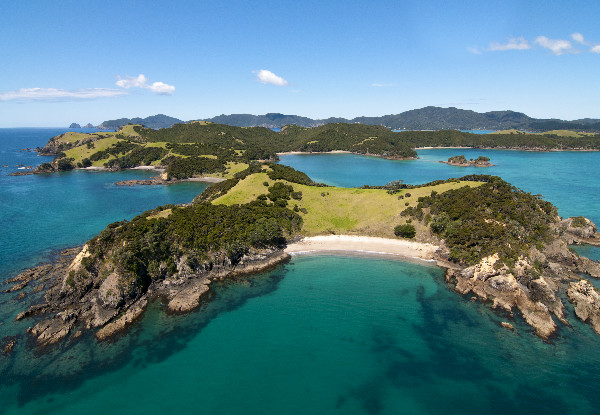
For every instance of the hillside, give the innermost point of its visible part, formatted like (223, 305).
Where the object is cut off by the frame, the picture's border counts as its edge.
(506, 247)
(202, 148)
(427, 118)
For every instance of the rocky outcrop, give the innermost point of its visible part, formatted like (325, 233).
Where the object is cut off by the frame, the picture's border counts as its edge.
(533, 283)
(587, 302)
(110, 303)
(579, 230)
(188, 296)
(118, 325)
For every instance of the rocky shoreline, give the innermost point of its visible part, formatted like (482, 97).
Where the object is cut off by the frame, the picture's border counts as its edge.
(101, 309)
(533, 287)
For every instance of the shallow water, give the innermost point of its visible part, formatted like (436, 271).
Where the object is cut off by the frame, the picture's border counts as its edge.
(320, 334)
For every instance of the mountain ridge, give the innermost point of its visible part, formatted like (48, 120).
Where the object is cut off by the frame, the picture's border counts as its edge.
(426, 118)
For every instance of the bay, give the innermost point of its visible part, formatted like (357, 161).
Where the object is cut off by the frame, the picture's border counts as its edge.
(320, 334)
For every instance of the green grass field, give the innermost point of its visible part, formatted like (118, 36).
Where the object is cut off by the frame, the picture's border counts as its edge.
(336, 210)
(560, 133)
(80, 152)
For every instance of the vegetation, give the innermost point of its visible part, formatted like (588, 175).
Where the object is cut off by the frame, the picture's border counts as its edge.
(492, 218)
(458, 159)
(405, 231)
(326, 210)
(151, 246)
(182, 168)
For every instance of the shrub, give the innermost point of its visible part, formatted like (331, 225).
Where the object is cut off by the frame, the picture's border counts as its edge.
(405, 231)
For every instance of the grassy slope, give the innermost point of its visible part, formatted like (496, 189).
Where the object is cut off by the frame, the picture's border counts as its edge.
(371, 212)
(80, 152)
(559, 133)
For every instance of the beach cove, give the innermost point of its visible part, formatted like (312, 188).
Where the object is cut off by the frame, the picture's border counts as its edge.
(350, 334)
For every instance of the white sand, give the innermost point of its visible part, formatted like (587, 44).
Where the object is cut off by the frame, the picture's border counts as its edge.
(287, 153)
(366, 244)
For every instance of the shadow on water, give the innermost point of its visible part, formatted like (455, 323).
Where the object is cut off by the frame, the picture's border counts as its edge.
(65, 367)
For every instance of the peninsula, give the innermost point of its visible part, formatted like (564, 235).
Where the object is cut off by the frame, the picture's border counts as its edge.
(498, 244)
(204, 149)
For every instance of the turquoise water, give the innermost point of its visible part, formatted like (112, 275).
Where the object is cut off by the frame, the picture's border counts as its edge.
(320, 334)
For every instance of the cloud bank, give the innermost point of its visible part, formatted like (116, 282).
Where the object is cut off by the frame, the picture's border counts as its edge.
(141, 81)
(267, 77)
(54, 94)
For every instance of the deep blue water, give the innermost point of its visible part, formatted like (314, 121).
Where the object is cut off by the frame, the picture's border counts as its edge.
(321, 334)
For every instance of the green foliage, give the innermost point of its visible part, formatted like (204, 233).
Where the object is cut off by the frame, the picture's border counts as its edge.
(405, 231)
(492, 218)
(183, 168)
(208, 235)
(139, 156)
(64, 164)
(458, 159)
(71, 279)
(282, 172)
(280, 192)
(579, 222)
(121, 147)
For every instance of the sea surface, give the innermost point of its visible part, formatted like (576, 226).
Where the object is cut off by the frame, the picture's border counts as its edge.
(321, 334)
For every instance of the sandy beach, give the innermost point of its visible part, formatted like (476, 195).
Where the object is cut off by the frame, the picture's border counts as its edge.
(287, 153)
(365, 244)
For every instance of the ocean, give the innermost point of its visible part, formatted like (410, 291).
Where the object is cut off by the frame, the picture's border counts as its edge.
(321, 334)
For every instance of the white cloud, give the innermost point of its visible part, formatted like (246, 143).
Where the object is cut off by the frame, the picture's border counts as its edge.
(53, 94)
(474, 50)
(141, 81)
(267, 77)
(513, 43)
(595, 49)
(578, 37)
(556, 46)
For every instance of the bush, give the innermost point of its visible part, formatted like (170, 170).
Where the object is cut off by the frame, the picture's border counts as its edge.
(405, 231)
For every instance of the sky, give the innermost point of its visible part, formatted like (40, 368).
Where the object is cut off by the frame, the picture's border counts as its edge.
(89, 61)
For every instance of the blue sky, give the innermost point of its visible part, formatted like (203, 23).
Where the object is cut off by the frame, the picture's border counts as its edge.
(89, 61)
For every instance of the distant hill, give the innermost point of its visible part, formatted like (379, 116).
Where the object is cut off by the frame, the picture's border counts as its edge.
(428, 118)
(154, 121)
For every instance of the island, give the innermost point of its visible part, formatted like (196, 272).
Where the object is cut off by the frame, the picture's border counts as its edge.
(461, 161)
(498, 244)
(205, 149)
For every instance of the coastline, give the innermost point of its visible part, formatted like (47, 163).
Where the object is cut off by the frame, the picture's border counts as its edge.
(364, 244)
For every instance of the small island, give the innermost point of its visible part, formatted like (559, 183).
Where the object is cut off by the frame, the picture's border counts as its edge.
(461, 161)
(498, 244)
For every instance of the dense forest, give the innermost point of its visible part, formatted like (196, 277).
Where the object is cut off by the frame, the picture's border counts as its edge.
(495, 217)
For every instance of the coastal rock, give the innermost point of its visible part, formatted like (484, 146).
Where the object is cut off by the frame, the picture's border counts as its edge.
(7, 344)
(537, 315)
(188, 297)
(134, 312)
(52, 330)
(587, 302)
(17, 287)
(110, 292)
(587, 266)
(579, 230)
(503, 288)
(507, 325)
